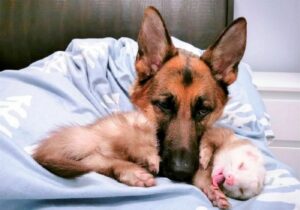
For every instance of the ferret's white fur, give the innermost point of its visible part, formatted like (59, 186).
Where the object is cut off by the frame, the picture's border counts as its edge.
(245, 164)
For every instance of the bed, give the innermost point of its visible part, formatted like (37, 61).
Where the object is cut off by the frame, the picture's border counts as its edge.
(73, 62)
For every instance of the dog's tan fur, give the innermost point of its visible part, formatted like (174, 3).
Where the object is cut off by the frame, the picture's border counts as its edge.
(179, 93)
(173, 87)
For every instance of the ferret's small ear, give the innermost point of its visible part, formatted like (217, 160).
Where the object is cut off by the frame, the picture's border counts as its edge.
(252, 155)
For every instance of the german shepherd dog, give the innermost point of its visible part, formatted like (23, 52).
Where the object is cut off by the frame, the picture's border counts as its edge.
(182, 93)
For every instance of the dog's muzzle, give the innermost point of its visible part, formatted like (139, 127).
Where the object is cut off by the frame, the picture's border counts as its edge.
(180, 165)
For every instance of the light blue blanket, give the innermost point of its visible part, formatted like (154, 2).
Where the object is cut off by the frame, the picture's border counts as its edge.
(89, 80)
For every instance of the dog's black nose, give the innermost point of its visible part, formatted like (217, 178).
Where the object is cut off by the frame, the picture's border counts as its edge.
(180, 165)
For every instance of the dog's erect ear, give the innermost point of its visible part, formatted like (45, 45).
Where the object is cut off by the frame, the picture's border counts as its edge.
(155, 45)
(225, 54)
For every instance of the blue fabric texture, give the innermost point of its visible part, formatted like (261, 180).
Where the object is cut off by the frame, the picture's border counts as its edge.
(91, 79)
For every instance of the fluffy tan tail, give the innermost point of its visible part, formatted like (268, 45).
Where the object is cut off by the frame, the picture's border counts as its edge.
(63, 151)
(61, 166)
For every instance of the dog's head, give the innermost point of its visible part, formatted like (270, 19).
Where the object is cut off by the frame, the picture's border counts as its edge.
(182, 93)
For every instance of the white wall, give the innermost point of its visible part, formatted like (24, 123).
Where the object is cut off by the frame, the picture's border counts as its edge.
(273, 34)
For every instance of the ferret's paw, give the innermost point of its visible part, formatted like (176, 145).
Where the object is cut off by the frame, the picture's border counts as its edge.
(146, 157)
(149, 162)
(137, 177)
(152, 163)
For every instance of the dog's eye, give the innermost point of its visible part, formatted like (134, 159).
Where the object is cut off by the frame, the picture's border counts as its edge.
(202, 113)
(201, 108)
(165, 106)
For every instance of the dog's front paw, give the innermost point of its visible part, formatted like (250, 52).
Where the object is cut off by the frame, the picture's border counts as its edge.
(137, 177)
(205, 157)
(217, 197)
(204, 161)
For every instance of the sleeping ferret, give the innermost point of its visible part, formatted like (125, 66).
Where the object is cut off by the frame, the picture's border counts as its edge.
(228, 166)
(122, 146)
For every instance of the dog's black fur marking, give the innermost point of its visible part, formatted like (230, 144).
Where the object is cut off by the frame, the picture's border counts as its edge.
(187, 77)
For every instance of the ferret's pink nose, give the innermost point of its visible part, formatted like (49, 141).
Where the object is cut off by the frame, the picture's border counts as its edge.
(229, 180)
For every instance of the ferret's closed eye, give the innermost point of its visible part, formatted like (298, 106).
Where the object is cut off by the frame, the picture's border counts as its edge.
(242, 166)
